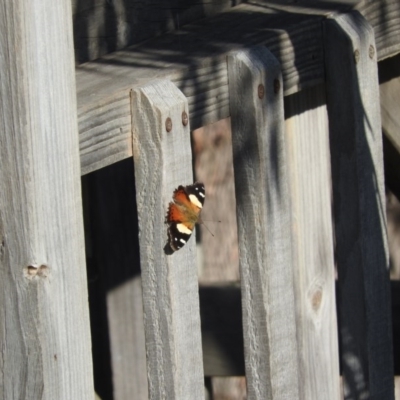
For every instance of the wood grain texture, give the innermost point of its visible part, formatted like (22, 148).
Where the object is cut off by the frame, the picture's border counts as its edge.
(359, 207)
(44, 319)
(103, 26)
(307, 141)
(163, 161)
(195, 59)
(384, 17)
(264, 225)
(109, 140)
(389, 90)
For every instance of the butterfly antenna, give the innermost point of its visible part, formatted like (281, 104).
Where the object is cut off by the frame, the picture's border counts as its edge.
(207, 228)
(202, 223)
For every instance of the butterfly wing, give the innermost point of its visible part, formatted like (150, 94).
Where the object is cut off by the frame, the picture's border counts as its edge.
(184, 213)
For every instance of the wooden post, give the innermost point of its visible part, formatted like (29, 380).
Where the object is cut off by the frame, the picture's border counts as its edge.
(163, 161)
(307, 141)
(264, 225)
(44, 319)
(359, 207)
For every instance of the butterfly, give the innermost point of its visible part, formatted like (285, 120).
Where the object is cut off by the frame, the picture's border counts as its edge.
(183, 213)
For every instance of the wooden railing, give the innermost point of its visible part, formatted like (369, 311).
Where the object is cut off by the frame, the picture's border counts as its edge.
(301, 89)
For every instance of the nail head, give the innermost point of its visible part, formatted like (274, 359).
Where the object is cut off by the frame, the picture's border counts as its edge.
(168, 124)
(185, 118)
(261, 91)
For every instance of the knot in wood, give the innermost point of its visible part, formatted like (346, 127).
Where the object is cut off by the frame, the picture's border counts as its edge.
(34, 270)
(316, 300)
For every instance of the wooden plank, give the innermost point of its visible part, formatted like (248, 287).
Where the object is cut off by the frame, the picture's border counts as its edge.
(195, 58)
(44, 318)
(264, 225)
(113, 217)
(170, 290)
(307, 141)
(384, 17)
(358, 196)
(389, 89)
(105, 133)
(102, 26)
(199, 70)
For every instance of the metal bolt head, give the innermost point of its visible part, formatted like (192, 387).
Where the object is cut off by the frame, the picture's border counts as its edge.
(261, 91)
(371, 52)
(185, 118)
(168, 124)
(277, 85)
(356, 56)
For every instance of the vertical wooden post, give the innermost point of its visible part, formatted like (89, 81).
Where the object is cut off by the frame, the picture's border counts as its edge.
(264, 228)
(44, 320)
(359, 207)
(163, 161)
(307, 142)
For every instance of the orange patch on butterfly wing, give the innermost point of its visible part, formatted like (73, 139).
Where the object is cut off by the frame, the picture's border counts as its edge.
(175, 213)
(182, 198)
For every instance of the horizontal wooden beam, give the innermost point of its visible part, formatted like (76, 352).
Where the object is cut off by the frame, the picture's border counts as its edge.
(194, 58)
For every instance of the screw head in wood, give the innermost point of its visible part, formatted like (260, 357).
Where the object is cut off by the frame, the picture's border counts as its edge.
(277, 85)
(371, 52)
(356, 56)
(168, 124)
(185, 118)
(261, 91)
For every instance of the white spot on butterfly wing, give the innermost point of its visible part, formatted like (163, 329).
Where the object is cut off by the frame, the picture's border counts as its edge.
(193, 198)
(183, 229)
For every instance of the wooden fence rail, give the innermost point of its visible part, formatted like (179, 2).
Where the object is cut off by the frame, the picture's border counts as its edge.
(295, 159)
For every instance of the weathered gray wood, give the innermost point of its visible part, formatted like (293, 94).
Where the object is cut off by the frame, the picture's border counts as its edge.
(264, 225)
(307, 141)
(384, 17)
(170, 289)
(113, 217)
(102, 26)
(358, 196)
(44, 319)
(389, 72)
(105, 135)
(195, 58)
